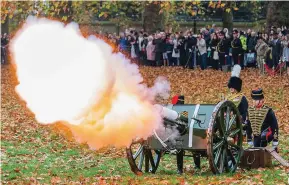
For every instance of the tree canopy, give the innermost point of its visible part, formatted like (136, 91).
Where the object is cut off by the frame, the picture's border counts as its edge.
(153, 14)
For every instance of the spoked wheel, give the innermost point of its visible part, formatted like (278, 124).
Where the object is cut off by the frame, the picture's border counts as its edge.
(140, 158)
(224, 146)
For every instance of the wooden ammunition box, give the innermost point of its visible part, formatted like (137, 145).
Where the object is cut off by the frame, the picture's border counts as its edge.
(256, 158)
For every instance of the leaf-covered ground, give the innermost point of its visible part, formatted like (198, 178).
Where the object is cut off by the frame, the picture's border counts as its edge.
(35, 154)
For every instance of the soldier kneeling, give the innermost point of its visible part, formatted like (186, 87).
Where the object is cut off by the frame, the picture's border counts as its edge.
(262, 123)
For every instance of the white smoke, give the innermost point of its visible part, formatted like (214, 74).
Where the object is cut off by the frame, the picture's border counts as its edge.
(168, 134)
(66, 77)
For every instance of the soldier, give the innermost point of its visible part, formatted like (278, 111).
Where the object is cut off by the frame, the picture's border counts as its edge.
(237, 53)
(262, 123)
(235, 95)
(180, 100)
(223, 48)
(261, 48)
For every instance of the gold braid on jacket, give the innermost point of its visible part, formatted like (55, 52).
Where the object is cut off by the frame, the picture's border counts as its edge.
(257, 117)
(232, 44)
(218, 47)
(235, 98)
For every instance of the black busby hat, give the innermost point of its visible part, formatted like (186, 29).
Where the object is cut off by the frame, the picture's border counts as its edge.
(257, 94)
(235, 81)
(178, 99)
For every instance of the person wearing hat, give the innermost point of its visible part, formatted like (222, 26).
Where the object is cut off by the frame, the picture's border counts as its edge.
(237, 52)
(261, 48)
(180, 100)
(222, 48)
(235, 95)
(276, 50)
(262, 123)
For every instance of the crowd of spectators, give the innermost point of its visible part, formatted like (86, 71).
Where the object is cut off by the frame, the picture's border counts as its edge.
(211, 47)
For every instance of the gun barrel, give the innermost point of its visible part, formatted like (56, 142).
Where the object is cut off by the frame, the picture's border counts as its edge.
(171, 114)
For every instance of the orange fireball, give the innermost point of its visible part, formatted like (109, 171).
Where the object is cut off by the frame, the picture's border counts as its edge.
(98, 94)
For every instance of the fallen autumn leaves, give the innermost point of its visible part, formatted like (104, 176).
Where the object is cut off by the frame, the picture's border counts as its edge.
(20, 128)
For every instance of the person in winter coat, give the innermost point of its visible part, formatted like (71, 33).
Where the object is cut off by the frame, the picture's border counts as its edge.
(191, 43)
(176, 51)
(4, 48)
(252, 42)
(123, 43)
(214, 53)
(150, 51)
(207, 37)
(276, 49)
(133, 45)
(203, 51)
(285, 45)
(261, 48)
(140, 39)
(159, 49)
(181, 47)
(169, 49)
(144, 44)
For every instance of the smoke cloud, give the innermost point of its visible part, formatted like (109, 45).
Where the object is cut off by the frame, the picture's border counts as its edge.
(98, 94)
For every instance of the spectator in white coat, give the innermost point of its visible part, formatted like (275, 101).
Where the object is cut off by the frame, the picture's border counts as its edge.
(203, 51)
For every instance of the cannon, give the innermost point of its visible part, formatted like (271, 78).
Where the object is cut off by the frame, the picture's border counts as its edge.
(212, 131)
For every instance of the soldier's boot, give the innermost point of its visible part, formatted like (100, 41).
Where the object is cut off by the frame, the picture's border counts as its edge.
(264, 141)
(197, 161)
(180, 162)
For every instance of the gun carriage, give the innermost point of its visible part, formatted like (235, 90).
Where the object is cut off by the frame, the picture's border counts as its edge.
(212, 131)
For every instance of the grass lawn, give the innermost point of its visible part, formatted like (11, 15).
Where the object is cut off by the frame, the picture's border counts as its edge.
(35, 154)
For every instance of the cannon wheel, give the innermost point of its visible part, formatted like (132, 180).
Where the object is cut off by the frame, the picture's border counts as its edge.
(139, 158)
(224, 147)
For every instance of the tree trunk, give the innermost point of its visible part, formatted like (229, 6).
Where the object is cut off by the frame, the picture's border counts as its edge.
(277, 14)
(152, 19)
(117, 28)
(5, 26)
(228, 19)
(272, 15)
